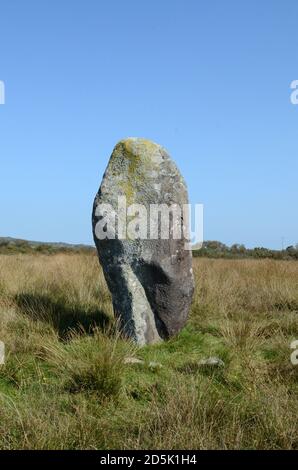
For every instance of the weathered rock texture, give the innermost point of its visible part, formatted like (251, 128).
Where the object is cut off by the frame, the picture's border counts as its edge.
(151, 281)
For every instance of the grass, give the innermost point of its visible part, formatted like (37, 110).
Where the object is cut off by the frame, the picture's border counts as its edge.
(65, 383)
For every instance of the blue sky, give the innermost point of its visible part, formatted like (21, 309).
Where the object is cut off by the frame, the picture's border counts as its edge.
(209, 80)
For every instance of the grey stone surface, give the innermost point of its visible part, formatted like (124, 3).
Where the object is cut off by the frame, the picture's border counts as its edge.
(151, 281)
(211, 362)
(133, 360)
(154, 366)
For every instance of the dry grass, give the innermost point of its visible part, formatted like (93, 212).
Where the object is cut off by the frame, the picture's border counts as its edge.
(65, 384)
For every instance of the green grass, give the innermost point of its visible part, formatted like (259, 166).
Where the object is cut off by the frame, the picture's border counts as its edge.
(65, 384)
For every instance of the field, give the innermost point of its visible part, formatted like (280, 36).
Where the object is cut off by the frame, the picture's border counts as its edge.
(65, 383)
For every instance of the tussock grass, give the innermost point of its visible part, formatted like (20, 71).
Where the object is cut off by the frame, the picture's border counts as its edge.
(65, 383)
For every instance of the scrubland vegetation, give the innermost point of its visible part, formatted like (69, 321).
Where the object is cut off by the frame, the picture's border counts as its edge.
(210, 249)
(215, 249)
(65, 383)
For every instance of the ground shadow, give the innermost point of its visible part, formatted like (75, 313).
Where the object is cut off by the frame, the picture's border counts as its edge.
(64, 318)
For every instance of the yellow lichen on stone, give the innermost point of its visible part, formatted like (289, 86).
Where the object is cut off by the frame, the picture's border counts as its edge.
(132, 161)
(137, 153)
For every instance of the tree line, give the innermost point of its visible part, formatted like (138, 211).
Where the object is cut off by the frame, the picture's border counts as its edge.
(216, 249)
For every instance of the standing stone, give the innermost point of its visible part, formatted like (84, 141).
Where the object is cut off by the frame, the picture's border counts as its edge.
(151, 280)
